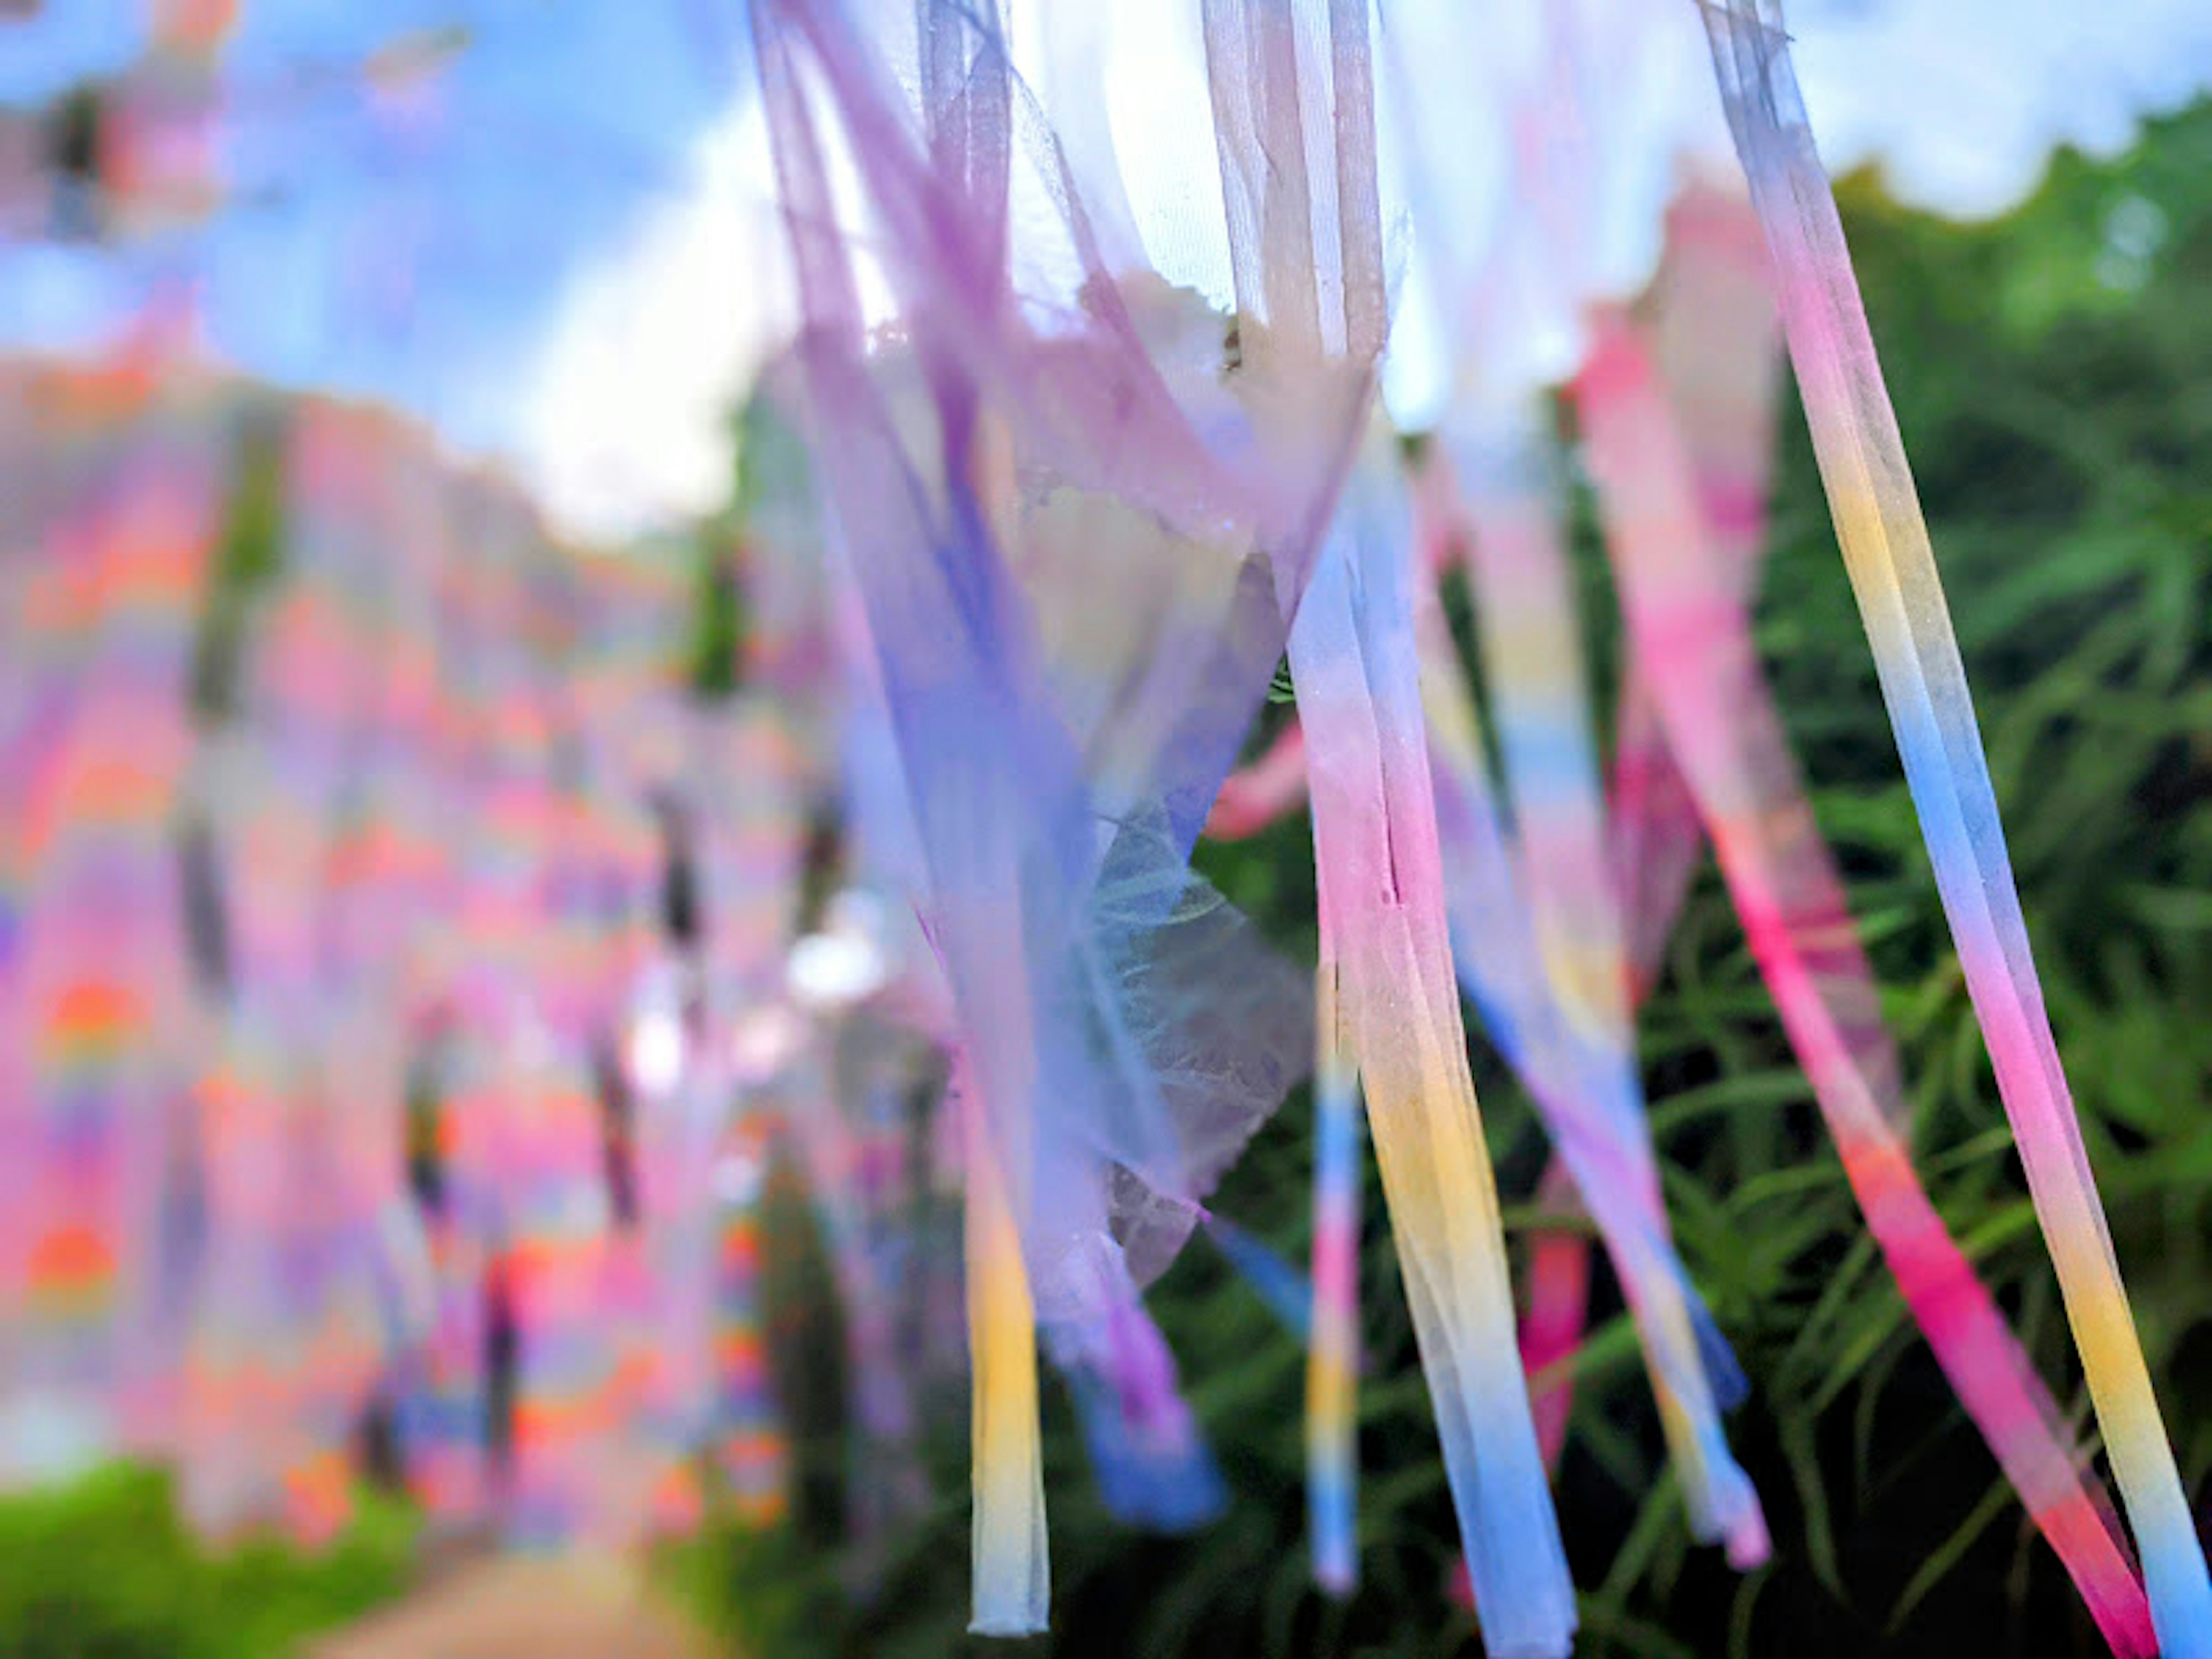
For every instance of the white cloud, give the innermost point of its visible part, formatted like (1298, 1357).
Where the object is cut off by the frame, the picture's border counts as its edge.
(625, 417)
(1962, 101)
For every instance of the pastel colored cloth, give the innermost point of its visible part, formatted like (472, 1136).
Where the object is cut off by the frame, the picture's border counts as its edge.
(1727, 738)
(1515, 557)
(1893, 570)
(1113, 1092)
(99, 1003)
(1386, 957)
(1332, 1355)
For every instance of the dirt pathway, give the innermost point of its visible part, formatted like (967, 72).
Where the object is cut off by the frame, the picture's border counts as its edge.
(521, 1607)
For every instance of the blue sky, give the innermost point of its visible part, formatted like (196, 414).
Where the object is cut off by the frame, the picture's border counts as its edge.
(418, 261)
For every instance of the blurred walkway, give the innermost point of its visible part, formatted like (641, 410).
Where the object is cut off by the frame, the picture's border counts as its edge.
(525, 1608)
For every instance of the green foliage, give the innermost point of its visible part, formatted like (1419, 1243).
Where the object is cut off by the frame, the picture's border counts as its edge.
(247, 560)
(2053, 375)
(103, 1570)
(713, 656)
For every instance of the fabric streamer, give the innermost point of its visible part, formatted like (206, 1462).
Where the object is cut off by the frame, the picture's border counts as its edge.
(1512, 259)
(1516, 560)
(1093, 1024)
(1726, 737)
(1893, 570)
(1332, 1358)
(1384, 944)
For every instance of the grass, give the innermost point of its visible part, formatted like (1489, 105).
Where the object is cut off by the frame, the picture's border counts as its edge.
(102, 1569)
(2060, 415)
